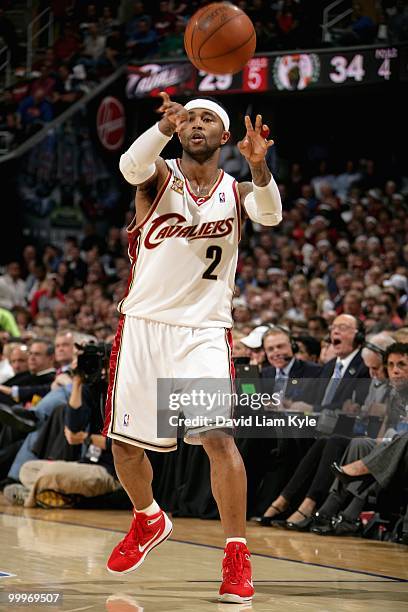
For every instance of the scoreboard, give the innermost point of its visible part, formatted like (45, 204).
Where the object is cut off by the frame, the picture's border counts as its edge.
(294, 71)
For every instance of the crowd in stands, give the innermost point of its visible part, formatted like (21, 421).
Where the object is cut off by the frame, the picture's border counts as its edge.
(93, 39)
(333, 274)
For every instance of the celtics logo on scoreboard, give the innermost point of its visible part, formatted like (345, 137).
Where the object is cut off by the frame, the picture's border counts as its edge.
(296, 71)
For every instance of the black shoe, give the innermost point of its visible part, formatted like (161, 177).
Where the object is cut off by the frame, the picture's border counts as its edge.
(346, 478)
(322, 524)
(19, 419)
(345, 527)
(302, 525)
(7, 481)
(267, 520)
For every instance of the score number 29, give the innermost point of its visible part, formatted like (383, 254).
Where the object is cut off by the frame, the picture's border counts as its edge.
(355, 68)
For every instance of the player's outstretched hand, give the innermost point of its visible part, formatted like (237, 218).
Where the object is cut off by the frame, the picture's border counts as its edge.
(255, 144)
(175, 116)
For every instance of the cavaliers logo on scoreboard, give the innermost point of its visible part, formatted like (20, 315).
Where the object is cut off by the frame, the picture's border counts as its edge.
(296, 71)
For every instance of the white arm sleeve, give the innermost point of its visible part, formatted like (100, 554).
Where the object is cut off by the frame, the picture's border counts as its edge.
(264, 205)
(137, 164)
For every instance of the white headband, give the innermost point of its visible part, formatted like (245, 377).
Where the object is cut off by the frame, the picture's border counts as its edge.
(211, 106)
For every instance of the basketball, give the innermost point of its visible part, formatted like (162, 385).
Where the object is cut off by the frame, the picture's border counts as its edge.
(220, 38)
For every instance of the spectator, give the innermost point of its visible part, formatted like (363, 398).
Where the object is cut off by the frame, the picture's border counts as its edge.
(12, 287)
(398, 23)
(253, 342)
(94, 45)
(6, 370)
(67, 89)
(41, 372)
(18, 358)
(172, 44)
(132, 25)
(286, 368)
(165, 21)
(44, 300)
(8, 323)
(309, 348)
(362, 30)
(68, 45)
(46, 81)
(143, 42)
(317, 327)
(35, 111)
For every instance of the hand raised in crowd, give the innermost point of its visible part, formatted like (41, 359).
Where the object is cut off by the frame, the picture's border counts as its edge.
(175, 116)
(255, 145)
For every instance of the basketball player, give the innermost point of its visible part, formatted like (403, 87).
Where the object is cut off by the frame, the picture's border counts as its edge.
(176, 317)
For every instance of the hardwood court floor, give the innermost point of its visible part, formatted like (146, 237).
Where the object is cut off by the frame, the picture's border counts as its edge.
(66, 550)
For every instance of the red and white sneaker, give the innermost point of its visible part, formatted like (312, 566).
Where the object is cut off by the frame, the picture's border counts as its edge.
(144, 534)
(237, 584)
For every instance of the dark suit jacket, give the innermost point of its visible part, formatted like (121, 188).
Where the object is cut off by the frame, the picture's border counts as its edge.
(29, 385)
(354, 384)
(301, 384)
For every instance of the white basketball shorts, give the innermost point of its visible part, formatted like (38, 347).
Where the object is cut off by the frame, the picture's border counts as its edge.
(144, 351)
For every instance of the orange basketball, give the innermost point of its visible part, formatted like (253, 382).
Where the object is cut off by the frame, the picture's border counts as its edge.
(220, 38)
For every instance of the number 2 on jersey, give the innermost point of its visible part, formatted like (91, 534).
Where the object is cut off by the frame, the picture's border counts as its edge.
(214, 252)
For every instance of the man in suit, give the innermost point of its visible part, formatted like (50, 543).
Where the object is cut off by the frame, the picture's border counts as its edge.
(345, 377)
(293, 378)
(273, 460)
(37, 380)
(19, 390)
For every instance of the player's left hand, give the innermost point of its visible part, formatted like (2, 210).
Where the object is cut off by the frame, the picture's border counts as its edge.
(255, 145)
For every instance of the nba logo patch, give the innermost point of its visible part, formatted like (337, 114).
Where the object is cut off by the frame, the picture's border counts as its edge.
(178, 185)
(125, 420)
(222, 197)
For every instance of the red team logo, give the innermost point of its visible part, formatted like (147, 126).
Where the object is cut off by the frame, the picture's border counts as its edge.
(110, 123)
(160, 229)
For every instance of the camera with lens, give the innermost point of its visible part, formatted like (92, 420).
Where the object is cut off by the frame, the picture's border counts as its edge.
(93, 359)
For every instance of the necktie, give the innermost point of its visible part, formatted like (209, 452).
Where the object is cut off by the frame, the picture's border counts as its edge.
(280, 382)
(333, 384)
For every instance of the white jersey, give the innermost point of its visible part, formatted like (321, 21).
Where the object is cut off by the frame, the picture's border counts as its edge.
(184, 254)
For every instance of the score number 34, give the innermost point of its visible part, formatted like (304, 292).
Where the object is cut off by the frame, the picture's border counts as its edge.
(355, 68)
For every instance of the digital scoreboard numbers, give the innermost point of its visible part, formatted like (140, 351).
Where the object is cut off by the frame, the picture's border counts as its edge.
(277, 72)
(305, 71)
(253, 78)
(366, 66)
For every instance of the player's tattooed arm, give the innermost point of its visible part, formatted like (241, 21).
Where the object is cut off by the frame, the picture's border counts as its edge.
(254, 147)
(261, 198)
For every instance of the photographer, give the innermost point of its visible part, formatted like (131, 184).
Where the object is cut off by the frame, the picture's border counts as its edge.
(65, 483)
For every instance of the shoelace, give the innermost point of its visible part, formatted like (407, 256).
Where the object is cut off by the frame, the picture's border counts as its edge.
(233, 566)
(140, 531)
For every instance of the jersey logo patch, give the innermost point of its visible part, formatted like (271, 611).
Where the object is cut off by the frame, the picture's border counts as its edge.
(178, 185)
(222, 197)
